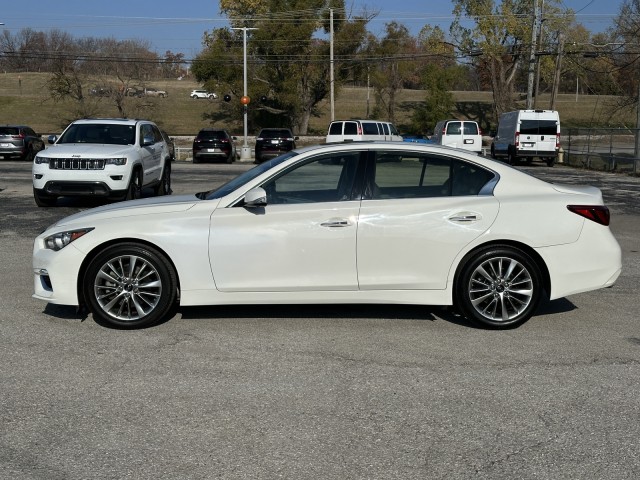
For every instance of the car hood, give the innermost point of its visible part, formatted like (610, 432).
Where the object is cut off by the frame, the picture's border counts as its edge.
(85, 150)
(145, 206)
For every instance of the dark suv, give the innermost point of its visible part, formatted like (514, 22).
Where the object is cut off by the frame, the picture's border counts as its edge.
(272, 142)
(19, 141)
(211, 143)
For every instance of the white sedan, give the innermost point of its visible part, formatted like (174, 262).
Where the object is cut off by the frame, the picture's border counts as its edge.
(344, 223)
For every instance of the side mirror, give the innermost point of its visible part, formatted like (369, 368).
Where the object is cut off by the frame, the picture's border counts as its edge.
(52, 139)
(255, 197)
(146, 141)
(296, 138)
(235, 138)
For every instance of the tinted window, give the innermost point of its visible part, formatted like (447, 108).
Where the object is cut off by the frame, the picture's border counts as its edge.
(369, 128)
(386, 128)
(335, 128)
(99, 133)
(329, 178)
(275, 134)
(547, 127)
(419, 176)
(9, 131)
(529, 127)
(350, 128)
(470, 128)
(212, 134)
(453, 128)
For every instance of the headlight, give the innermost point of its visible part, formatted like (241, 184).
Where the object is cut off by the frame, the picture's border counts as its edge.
(58, 241)
(38, 160)
(115, 161)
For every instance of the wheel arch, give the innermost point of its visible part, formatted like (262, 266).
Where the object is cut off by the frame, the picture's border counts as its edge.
(98, 248)
(531, 252)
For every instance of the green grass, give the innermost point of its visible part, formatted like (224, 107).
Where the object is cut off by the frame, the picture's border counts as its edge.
(24, 99)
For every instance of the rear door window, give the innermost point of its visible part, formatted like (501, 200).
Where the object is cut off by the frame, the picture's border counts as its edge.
(453, 128)
(548, 127)
(350, 128)
(335, 128)
(529, 127)
(470, 128)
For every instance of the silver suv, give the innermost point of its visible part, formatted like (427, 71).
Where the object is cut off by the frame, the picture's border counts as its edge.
(111, 158)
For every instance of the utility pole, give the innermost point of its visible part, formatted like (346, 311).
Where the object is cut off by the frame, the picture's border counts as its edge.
(246, 151)
(532, 56)
(556, 79)
(331, 78)
(537, 90)
(636, 152)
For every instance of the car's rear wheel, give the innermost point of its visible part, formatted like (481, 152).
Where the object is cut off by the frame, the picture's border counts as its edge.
(30, 155)
(499, 287)
(551, 161)
(511, 157)
(129, 286)
(44, 200)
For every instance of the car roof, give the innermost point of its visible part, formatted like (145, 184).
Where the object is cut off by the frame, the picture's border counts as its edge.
(130, 121)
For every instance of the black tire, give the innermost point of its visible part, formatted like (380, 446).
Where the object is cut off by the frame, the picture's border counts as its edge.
(551, 161)
(164, 187)
(134, 190)
(118, 299)
(229, 159)
(30, 155)
(43, 199)
(511, 158)
(493, 152)
(498, 287)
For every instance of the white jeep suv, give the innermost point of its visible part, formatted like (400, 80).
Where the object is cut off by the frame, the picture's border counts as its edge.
(203, 94)
(111, 158)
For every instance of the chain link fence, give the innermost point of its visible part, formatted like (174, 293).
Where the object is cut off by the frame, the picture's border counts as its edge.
(608, 149)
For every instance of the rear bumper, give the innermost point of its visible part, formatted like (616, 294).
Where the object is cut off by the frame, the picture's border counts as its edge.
(536, 153)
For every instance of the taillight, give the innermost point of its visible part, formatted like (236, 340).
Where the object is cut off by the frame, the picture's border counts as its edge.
(597, 213)
(224, 140)
(557, 141)
(289, 139)
(517, 141)
(359, 129)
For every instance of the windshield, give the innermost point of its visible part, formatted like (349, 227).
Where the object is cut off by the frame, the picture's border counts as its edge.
(244, 178)
(103, 133)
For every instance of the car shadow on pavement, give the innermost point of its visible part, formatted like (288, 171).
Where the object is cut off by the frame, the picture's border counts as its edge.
(335, 311)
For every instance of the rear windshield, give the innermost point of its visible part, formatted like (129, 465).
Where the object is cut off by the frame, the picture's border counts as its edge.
(212, 135)
(538, 127)
(453, 128)
(470, 128)
(350, 128)
(335, 128)
(275, 134)
(9, 131)
(104, 133)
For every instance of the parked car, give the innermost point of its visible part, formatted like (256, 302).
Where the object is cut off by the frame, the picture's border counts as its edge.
(203, 94)
(135, 92)
(362, 130)
(416, 139)
(19, 141)
(171, 146)
(527, 134)
(109, 158)
(464, 134)
(214, 144)
(344, 223)
(271, 142)
(154, 92)
(101, 91)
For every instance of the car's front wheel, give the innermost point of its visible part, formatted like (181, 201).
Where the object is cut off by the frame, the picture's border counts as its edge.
(129, 286)
(134, 190)
(499, 287)
(164, 187)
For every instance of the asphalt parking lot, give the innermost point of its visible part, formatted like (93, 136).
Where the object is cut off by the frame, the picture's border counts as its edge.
(317, 392)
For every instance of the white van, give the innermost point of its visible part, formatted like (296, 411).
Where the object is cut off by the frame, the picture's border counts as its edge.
(360, 130)
(526, 134)
(464, 134)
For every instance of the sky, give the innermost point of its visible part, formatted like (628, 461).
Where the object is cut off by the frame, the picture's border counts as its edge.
(178, 26)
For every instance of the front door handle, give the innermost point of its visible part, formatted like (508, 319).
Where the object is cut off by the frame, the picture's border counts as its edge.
(336, 223)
